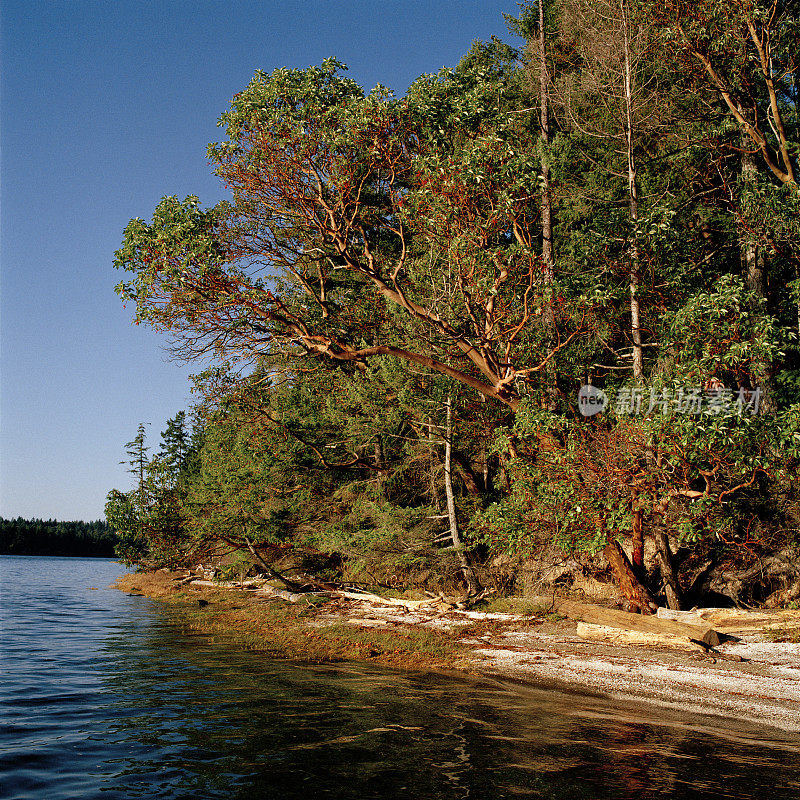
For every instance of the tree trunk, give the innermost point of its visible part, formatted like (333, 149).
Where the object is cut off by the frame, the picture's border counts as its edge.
(548, 256)
(271, 571)
(487, 436)
(754, 267)
(467, 474)
(670, 580)
(638, 543)
(797, 277)
(380, 460)
(636, 596)
(633, 201)
(466, 569)
(752, 257)
(434, 487)
(504, 475)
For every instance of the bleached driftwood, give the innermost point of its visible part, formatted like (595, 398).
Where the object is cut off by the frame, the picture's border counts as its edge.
(246, 584)
(184, 581)
(687, 617)
(621, 636)
(410, 605)
(282, 594)
(617, 636)
(368, 623)
(610, 618)
(258, 585)
(734, 620)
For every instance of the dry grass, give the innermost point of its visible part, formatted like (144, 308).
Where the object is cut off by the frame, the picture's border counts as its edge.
(282, 630)
(783, 634)
(151, 584)
(523, 606)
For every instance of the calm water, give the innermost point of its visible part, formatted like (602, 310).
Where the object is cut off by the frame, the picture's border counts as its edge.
(106, 696)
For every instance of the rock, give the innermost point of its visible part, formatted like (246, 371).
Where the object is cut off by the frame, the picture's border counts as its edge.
(782, 597)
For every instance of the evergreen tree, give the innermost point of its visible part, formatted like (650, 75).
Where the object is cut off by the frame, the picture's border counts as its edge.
(175, 445)
(501, 235)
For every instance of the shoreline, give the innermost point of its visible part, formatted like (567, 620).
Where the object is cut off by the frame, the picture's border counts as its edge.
(748, 678)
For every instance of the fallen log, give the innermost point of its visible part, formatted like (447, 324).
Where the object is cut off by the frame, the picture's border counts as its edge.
(184, 581)
(623, 620)
(282, 594)
(620, 636)
(257, 586)
(687, 617)
(410, 605)
(735, 620)
(368, 623)
(248, 583)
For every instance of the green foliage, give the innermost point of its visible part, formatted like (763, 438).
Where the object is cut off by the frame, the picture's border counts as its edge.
(380, 254)
(723, 332)
(149, 520)
(382, 543)
(236, 568)
(176, 445)
(240, 492)
(123, 518)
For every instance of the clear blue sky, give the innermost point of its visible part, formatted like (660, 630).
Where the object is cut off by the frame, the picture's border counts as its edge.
(107, 107)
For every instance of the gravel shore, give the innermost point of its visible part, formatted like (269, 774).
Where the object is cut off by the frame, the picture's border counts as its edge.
(748, 676)
(753, 676)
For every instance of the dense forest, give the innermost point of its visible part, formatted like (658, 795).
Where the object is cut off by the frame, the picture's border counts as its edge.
(37, 537)
(536, 321)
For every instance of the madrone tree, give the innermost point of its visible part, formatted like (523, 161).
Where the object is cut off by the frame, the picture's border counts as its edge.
(359, 226)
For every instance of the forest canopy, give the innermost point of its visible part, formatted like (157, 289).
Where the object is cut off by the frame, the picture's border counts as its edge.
(37, 537)
(545, 304)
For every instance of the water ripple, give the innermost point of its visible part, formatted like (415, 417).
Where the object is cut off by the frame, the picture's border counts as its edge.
(104, 696)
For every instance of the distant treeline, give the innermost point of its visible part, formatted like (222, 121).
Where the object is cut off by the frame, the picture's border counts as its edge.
(37, 537)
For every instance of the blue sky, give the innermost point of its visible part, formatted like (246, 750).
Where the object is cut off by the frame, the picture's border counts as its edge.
(105, 108)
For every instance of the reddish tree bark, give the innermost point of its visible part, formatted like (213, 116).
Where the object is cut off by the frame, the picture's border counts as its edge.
(636, 596)
(638, 544)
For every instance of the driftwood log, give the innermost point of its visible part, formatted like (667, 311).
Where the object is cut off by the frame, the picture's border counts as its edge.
(258, 585)
(620, 636)
(409, 605)
(733, 620)
(653, 625)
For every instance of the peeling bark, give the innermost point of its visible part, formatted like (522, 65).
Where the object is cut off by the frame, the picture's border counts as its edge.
(636, 596)
(638, 544)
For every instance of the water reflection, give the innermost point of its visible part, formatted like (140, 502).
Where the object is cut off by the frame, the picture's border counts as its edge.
(232, 723)
(109, 697)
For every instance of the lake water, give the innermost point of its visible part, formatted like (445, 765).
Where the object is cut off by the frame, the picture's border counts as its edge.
(108, 696)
